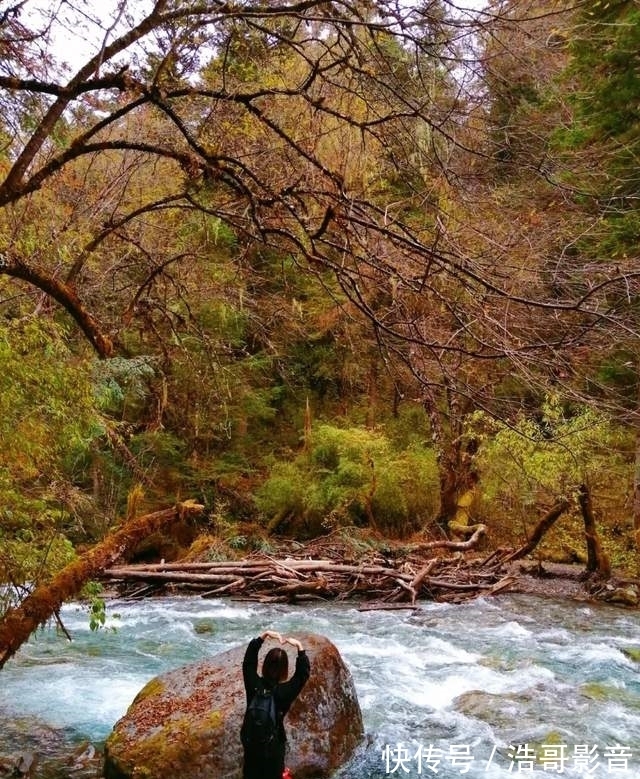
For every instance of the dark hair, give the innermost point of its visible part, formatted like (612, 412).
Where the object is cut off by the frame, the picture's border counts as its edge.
(275, 667)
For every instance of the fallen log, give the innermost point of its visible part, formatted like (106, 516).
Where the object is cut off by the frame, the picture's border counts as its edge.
(223, 565)
(503, 584)
(237, 584)
(19, 622)
(267, 568)
(444, 584)
(295, 589)
(170, 576)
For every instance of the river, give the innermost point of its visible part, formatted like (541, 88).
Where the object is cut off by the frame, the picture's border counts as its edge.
(490, 688)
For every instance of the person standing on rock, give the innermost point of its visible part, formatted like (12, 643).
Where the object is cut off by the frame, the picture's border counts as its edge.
(269, 695)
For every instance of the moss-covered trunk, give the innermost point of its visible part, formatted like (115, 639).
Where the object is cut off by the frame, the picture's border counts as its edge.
(19, 623)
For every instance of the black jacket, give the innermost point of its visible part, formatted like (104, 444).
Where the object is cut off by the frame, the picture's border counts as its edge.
(284, 693)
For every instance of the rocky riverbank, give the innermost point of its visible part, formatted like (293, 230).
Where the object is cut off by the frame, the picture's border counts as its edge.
(570, 582)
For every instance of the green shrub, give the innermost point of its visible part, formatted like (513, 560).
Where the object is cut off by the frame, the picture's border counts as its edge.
(283, 492)
(525, 467)
(347, 476)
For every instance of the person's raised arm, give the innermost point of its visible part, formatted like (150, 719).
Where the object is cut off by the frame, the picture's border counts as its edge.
(290, 690)
(272, 634)
(294, 642)
(250, 666)
(250, 662)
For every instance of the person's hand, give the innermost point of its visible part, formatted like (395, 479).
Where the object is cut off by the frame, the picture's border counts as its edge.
(294, 642)
(272, 634)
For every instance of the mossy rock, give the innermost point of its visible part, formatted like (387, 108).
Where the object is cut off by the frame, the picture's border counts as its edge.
(632, 652)
(608, 693)
(497, 709)
(204, 627)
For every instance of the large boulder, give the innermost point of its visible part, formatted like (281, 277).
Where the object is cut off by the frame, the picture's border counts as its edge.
(186, 723)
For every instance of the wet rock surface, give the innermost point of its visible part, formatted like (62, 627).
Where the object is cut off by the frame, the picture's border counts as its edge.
(38, 750)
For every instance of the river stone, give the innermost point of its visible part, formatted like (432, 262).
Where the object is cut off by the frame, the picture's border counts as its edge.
(186, 723)
(625, 596)
(498, 709)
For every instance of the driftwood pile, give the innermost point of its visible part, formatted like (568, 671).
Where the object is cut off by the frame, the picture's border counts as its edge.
(376, 582)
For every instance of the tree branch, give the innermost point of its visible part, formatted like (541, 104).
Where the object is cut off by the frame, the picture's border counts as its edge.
(10, 265)
(118, 80)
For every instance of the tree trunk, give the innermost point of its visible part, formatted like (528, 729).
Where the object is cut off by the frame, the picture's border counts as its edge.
(44, 602)
(446, 416)
(448, 457)
(597, 558)
(636, 493)
(448, 478)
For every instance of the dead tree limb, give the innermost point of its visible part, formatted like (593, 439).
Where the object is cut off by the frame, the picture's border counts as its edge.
(39, 606)
(456, 546)
(172, 577)
(419, 578)
(540, 529)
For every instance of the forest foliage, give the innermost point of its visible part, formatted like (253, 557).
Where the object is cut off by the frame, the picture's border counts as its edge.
(318, 265)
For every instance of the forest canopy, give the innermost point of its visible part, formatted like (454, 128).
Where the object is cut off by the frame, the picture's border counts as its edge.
(317, 264)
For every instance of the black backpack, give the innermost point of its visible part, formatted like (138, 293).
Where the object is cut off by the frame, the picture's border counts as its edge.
(260, 725)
